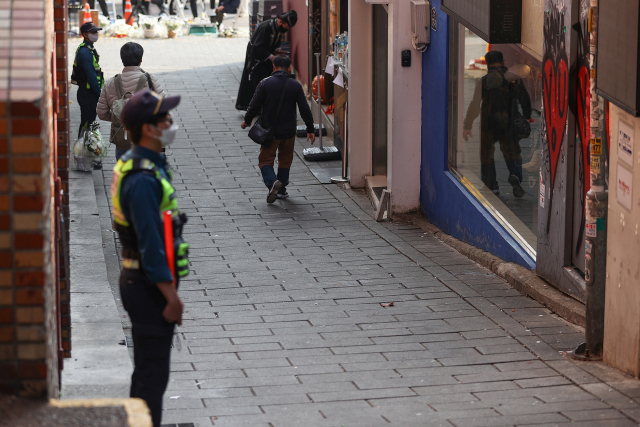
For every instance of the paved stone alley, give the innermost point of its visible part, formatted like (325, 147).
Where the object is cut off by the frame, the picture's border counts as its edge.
(288, 320)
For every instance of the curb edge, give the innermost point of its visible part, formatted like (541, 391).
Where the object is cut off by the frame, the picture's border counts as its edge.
(525, 281)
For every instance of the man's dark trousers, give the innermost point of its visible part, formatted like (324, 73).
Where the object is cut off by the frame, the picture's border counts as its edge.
(88, 102)
(151, 339)
(151, 356)
(103, 6)
(283, 149)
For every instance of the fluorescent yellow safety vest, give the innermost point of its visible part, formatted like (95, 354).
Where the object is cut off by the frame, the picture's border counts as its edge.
(96, 66)
(131, 257)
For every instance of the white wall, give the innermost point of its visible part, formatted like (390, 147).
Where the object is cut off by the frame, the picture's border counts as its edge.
(404, 112)
(360, 93)
(622, 296)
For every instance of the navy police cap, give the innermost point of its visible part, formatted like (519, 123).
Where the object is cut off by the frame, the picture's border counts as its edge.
(89, 27)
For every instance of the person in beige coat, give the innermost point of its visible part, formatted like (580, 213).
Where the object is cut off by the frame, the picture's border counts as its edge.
(131, 55)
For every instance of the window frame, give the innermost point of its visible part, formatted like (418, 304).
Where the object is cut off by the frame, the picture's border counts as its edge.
(455, 29)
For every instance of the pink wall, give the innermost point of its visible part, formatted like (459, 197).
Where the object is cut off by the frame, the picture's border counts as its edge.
(299, 37)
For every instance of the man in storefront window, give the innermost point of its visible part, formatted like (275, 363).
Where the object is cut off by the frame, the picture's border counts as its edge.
(497, 100)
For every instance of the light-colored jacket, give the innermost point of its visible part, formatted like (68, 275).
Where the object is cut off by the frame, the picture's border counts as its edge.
(130, 77)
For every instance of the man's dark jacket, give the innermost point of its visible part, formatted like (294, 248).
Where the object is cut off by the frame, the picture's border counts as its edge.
(230, 6)
(499, 99)
(265, 103)
(87, 72)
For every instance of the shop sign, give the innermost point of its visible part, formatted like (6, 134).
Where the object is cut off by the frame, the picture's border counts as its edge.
(624, 187)
(625, 142)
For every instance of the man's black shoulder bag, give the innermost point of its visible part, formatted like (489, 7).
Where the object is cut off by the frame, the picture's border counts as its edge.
(258, 133)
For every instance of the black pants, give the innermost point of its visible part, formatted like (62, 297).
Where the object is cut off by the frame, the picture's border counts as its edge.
(103, 6)
(219, 17)
(193, 5)
(88, 102)
(151, 339)
(152, 364)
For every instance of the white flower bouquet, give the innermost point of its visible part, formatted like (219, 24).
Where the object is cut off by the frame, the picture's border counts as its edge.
(173, 23)
(94, 142)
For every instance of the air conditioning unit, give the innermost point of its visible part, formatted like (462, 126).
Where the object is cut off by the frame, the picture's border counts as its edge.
(420, 25)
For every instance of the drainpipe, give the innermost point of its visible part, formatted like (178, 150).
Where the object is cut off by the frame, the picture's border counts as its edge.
(596, 216)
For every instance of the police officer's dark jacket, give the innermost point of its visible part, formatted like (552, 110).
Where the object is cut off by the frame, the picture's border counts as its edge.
(140, 193)
(86, 68)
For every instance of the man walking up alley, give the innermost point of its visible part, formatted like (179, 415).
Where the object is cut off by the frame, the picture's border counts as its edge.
(275, 101)
(287, 309)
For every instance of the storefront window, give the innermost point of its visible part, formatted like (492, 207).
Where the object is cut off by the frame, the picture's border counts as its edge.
(494, 135)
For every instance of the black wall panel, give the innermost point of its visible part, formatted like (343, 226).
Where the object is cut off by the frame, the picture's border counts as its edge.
(496, 21)
(618, 58)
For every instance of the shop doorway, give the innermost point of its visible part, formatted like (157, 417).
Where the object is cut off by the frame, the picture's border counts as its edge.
(380, 78)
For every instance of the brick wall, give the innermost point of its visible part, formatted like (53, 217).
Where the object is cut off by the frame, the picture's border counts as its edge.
(62, 79)
(29, 169)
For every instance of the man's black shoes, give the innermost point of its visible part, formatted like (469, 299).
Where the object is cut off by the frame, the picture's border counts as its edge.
(273, 193)
(518, 191)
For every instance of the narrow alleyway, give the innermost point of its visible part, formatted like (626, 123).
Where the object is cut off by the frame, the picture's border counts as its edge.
(288, 316)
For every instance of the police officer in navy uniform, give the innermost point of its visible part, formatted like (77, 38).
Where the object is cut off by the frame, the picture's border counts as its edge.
(142, 199)
(87, 74)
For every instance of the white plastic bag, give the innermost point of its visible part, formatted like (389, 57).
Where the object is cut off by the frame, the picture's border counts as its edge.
(82, 156)
(90, 148)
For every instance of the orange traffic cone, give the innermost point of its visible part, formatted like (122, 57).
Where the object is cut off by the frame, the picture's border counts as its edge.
(87, 14)
(127, 12)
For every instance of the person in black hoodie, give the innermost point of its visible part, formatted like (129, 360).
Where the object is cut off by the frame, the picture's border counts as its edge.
(261, 49)
(265, 104)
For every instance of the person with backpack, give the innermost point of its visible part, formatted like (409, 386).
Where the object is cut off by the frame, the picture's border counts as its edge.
(117, 90)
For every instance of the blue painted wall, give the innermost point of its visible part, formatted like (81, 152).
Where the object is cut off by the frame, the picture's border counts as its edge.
(445, 201)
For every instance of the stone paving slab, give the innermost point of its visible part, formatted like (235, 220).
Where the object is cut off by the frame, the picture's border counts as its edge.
(283, 323)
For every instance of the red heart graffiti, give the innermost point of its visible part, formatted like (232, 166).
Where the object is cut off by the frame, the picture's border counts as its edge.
(584, 121)
(556, 99)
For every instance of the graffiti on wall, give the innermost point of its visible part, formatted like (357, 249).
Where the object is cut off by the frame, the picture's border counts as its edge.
(555, 95)
(582, 114)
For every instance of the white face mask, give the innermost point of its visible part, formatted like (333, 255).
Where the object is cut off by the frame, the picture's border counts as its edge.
(168, 135)
(93, 37)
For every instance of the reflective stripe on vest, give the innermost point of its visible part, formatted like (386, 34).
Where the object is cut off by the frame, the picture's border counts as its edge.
(95, 64)
(168, 203)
